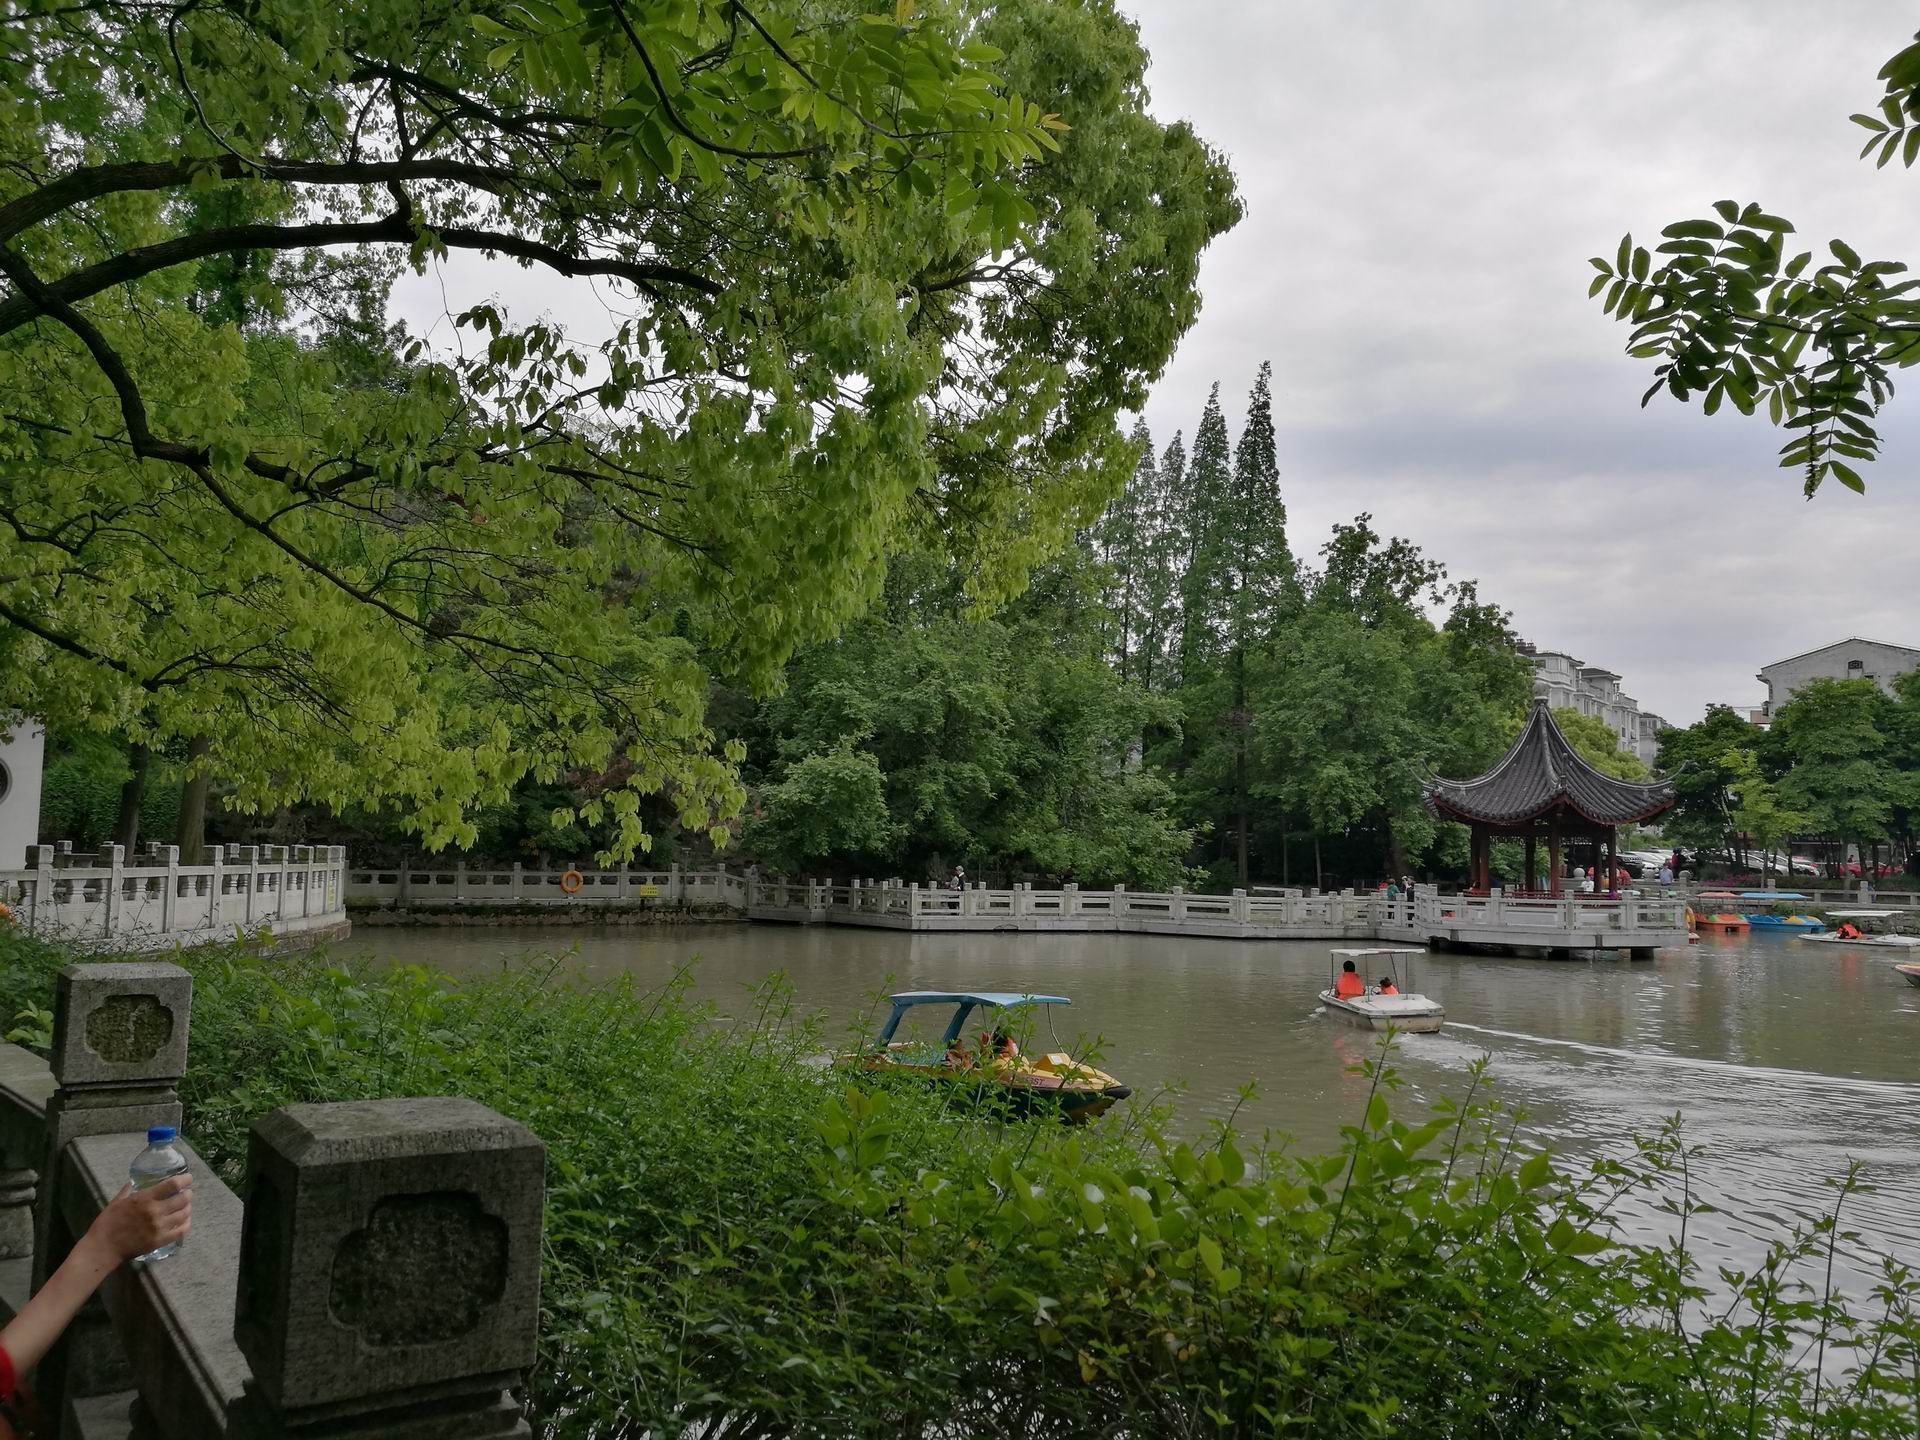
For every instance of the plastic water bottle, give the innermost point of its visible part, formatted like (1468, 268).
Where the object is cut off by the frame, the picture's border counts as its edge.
(159, 1161)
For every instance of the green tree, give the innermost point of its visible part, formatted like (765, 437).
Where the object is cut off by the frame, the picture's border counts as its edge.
(866, 305)
(1367, 698)
(1832, 737)
(1758, 814)
(1159, 591)
(1004, 741)
(1242, 586)
(1731, 318)
(1125, 540)
(1209, 473)
(1703, 779)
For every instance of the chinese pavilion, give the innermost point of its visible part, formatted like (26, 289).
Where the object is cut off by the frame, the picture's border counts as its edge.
(1542, 789)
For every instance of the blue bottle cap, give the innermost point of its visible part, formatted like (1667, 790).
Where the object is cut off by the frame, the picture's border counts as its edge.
(162, 1135)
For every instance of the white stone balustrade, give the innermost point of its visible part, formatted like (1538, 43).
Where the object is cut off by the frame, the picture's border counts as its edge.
(107, 901)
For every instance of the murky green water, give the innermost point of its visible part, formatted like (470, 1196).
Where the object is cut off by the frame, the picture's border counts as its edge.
(1787, 1060)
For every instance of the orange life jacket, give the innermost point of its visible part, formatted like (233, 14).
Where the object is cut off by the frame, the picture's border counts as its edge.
(1349, 986)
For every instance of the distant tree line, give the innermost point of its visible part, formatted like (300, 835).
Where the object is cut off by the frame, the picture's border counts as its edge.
(1839, 766)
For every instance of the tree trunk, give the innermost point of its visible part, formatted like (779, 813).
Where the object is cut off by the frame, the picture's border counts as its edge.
(1319, 878)
(1240, 758)
(191, 833)
(1286, 844)
(1396, 855)
(126, 829)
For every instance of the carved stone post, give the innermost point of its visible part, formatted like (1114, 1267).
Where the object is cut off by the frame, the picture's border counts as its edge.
(119, 1048)
(390, 1269)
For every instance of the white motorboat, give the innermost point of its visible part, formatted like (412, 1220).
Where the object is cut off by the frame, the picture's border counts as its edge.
(1378, 1007)
(1874, 927)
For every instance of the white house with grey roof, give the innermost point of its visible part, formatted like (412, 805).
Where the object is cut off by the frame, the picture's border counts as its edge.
(1851, 659)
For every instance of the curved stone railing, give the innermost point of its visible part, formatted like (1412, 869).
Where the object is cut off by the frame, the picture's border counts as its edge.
(379, 1278)
(106, 902)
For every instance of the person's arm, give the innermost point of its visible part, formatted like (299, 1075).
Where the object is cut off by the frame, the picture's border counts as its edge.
(135, 1222)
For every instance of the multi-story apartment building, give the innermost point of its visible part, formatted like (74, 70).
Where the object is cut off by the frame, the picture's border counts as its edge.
(1568, 683)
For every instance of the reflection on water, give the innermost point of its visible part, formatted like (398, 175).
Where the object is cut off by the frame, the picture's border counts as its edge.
(1786, 1060)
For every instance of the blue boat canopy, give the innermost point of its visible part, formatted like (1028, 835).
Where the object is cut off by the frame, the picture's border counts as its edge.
(1771, 895)
(965, 1002)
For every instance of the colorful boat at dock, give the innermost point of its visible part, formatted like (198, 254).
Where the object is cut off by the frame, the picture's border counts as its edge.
(989, 1064)
(1767, 920)
(1723, 919)
(1401, 1009)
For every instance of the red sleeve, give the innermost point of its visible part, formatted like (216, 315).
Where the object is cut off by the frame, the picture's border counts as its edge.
(6, 1376)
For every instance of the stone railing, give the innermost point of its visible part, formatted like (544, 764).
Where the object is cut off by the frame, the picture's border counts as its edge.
(106, 901)
(379, 1279)
(413, 887)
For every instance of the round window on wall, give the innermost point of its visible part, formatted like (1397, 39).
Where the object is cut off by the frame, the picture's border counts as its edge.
(6, 782)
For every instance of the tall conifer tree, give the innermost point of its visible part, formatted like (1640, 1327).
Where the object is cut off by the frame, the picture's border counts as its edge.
(1209, 477)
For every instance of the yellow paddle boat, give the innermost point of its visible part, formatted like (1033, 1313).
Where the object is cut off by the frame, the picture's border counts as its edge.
(1054, 1081)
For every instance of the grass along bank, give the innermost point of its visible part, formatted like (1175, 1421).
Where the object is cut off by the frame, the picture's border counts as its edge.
(738, 1245)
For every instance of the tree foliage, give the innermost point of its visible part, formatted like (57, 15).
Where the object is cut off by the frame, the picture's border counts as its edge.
(870, 292)
(1731, 317)
(1003, 741)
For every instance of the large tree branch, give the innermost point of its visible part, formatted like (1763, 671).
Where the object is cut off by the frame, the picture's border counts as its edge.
(78, 186)
(397, 228)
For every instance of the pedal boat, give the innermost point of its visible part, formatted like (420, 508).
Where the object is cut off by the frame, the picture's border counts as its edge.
(1407, 1012)
(1873, 925)
(1051, 1083)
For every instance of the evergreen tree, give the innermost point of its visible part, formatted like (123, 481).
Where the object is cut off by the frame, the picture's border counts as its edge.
(1166, 527)
(1123, 540)
(1209, 476)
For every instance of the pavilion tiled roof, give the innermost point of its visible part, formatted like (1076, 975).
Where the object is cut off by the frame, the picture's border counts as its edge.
(1542, 772)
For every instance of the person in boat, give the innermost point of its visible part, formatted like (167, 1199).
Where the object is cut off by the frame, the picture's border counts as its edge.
(1000, 1045)
(1848, 930)
(1387, 987)
(1349, 986)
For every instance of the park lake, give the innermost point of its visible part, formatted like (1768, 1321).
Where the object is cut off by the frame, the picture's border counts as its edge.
(1786, 1061)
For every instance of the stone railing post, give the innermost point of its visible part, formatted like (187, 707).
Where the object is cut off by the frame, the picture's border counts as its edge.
(1119, 901)
(40, 861)
(390, 1269)
(114, 859)
(119, 1049)
(676, 885)
(514, 891)
(23, 1079)
(1070, 898)
(1240, 911)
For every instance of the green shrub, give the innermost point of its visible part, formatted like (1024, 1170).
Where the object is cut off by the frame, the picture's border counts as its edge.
(739, 1245)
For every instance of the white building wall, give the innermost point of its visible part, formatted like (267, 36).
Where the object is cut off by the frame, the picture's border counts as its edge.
(1850, 659)
(22, 754)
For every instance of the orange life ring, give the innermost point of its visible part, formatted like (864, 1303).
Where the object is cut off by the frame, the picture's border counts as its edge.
(571, 882)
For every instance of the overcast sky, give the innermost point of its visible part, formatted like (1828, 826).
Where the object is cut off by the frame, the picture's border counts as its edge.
(1424, 183)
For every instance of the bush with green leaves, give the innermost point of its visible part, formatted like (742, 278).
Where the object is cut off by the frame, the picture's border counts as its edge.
(738, 1244)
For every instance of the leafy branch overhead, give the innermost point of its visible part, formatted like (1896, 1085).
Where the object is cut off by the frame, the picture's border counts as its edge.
(864, 288)
(1731, 316)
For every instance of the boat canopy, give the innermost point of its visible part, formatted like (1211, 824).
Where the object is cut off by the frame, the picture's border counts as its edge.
(1862, 914)
(1771, 895)
(964, 1003)
(1002, 998)
(1385, 950)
